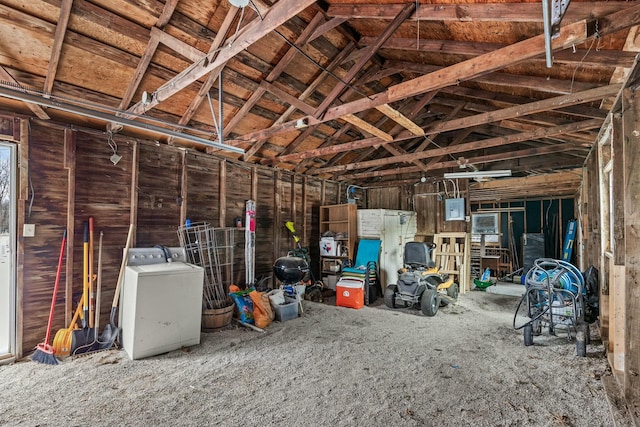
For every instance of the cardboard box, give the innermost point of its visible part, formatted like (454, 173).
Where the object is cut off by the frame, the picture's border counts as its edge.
(350, 293)
(328, 246)
(330, 282)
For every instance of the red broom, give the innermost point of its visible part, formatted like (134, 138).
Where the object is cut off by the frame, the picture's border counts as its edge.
(44, 351)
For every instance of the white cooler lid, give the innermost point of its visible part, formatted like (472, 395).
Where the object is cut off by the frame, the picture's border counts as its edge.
(347, 282)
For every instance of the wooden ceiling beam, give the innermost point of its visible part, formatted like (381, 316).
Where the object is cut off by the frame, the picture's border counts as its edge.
(391, 148)
(35, 108)
(56, 47)
(612, 58)
(525, 109)
(465, 122)
(485, 12)
(287, 97)
(274, 73)
(351, 74)
(490, 100)
(326, 27)
(145, 59)
(204, 89)
(529, 181)
(368, 52)
(401, 119)
(277, 15)
(335, 62)
(502, 79)
(469, 146)
(466, 70)
(491, 158)
(569, 35)
(367, 127)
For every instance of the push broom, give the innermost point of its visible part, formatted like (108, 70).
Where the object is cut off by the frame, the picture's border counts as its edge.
(44, 352)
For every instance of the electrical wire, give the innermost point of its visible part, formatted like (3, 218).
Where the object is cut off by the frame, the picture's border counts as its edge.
(580, 63)
(32, 194)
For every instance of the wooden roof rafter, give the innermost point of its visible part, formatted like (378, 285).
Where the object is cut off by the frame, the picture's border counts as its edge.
(571, 57)
(476, 160)
(466, 122)
(36, 109)
(487, 12)
(475, 145)
(319, 79)
(466, 70)
(56, 47)
(277, 15)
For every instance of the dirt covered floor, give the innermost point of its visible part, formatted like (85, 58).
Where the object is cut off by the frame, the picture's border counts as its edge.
(466, 366)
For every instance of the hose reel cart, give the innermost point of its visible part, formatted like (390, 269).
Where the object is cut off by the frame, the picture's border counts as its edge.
(557, 296)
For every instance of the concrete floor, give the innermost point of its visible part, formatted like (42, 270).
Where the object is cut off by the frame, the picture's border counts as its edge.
(506, 288)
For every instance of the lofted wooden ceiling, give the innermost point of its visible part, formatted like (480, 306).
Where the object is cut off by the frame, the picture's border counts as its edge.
(369, 92)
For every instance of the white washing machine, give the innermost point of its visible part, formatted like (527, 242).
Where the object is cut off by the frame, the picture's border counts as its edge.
(160, 306)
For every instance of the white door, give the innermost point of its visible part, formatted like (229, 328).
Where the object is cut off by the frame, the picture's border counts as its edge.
(7, 251)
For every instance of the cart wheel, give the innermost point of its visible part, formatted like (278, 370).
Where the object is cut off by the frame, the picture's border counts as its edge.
(528, 334)
(390, 296)
(429, 302)
(581, 344)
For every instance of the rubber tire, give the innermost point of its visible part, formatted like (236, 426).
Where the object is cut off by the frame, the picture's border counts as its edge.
(528, 335)
(429, 302)
(390, 296)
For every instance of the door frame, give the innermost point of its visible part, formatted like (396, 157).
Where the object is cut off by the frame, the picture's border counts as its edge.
(12, 338)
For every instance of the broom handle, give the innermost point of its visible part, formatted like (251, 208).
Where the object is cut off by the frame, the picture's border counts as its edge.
(96, 322)
(55, 286)
(92, 301)
(125, 255)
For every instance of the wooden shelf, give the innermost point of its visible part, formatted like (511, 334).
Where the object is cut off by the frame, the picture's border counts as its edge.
(341, 220)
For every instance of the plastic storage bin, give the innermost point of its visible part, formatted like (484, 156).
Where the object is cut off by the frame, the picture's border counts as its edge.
(286, 311)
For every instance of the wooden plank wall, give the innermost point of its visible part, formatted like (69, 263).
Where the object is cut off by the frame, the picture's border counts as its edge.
(154, 186)
(159, 187)
(102, 191)
(46, 207)
(425, 201)
(202, 188)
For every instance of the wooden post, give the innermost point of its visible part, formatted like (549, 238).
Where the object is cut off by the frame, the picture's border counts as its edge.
(294, 205)
(304, 209)
(254, 184)
(223, 194)
(277, 217)
(631, 149)
(23, 198)
(184, 182)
